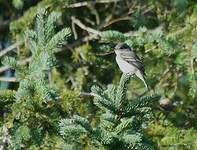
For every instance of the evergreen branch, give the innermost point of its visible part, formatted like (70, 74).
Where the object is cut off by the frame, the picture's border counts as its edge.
(40, 24)
(104, 137)
(109, 117)
(68, 127)
(105, 124)
(111, 92)
(121, 90)
(11, 62)
(74, 127)
(57, 39)
(32, 39)
(74, 130)
(49, 25)
(43, 90)
(126, 123)
(146, 100)
(83, 122)
(102, 100)
(133, 140)
(135, 105)
(42, 56)
(115, 129)
(70, 147)
(22, 62)
(104, 104)
(24, 90)
(113, 36)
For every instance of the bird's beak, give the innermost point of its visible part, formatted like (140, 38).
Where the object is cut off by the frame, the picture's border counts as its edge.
(116, 50)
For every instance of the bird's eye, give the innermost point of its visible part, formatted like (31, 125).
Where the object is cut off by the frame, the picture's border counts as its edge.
(124, 46)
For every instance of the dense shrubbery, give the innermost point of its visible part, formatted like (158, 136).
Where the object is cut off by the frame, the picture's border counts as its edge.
(67, 92)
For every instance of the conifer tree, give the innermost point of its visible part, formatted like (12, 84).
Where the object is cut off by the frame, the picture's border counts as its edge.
(43, 43)
(30, 114)
(162, 33)
(120, 123)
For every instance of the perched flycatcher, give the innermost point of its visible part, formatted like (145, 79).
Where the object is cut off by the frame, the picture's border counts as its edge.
(129, 62)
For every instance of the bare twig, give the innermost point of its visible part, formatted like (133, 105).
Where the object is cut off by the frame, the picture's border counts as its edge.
(4, 68)
(81, 4)
(8, 79)
(10, 48)
(85, 94)
(117, 20)
(84, 27)
(79, 41)
(74, 30)
(192, 66)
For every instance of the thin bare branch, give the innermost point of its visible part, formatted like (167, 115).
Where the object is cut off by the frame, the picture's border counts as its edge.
(84, 27)
(85, 94)
(116, 20)
(74, 30)
(4, 68)
(81, 4)
(10, 48)
(107, 1)
(8, 79)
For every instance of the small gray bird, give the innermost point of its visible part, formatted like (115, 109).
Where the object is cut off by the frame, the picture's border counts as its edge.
(129, 62)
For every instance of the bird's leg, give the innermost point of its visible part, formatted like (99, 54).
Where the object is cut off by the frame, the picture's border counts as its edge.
(129, 74)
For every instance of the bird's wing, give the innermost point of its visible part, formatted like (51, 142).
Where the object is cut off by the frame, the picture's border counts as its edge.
(134, 60)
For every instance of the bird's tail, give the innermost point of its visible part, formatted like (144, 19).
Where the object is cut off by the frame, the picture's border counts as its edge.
(140, 75)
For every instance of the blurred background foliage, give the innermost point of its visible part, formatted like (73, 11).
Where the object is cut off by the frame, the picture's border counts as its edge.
(162, 32)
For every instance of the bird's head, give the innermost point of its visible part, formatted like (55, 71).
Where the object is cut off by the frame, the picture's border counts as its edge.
(121, 47)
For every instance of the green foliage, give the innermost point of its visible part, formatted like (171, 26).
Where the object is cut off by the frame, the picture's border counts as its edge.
(43, 44)
(32, 118)
(20, 25)
(169, 137)
(18, 3)
(6, 97)
(119, 127)
(145, 38)
(113, 36)
(194, 51)
(69, 102)
(162, 33)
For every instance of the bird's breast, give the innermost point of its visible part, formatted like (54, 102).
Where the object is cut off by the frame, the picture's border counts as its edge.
(124, 66)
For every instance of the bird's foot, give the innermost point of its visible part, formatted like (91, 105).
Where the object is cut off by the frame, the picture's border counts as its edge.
(129, 74)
